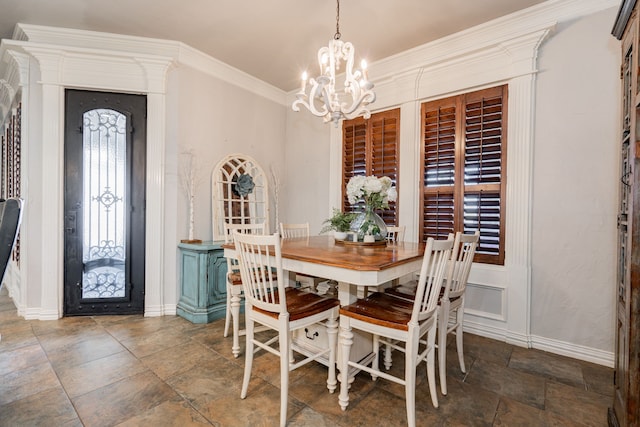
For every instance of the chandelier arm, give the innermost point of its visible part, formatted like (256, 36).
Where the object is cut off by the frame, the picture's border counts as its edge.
(358, 105)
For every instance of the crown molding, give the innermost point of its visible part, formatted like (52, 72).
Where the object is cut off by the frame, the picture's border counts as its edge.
(118, 44)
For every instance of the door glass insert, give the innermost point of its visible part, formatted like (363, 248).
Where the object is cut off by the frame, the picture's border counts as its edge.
(104, 204)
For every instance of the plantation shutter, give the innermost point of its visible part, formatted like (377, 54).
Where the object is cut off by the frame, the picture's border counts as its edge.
(484, 155)
(439, 127)
(370, 147)
(463, 169)
(354, 154)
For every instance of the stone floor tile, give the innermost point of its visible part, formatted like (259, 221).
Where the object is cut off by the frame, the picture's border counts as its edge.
(174, 412)
(582, 406)
(178, 359)
(558, 368)
(598, 378)
(117, 402)
(47, 408)
(26, 382)
(520, 386)
(512, 413)
(21, 358)
(80, 379)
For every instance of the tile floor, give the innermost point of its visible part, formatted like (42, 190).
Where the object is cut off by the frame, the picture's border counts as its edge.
(136, 371)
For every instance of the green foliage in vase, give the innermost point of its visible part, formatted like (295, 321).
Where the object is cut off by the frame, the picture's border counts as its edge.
(339, 221)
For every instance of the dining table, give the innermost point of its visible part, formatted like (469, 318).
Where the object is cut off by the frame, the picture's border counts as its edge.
(353, 266)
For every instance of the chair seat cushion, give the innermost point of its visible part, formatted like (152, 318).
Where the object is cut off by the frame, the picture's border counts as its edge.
(381, 309)
(302, 304)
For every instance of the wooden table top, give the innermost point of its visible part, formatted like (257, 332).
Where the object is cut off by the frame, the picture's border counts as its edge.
(324, 250)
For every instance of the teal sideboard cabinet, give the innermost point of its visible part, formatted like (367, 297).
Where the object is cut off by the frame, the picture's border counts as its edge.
(203, 270)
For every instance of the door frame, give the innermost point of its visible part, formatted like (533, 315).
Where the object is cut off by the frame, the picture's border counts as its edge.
(134, 108)
(59, 69)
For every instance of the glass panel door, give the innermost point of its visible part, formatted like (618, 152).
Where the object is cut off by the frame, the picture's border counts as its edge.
(104, 201)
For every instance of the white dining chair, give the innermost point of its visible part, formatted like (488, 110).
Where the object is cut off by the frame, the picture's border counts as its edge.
(293, 231)
(450, 304)
(395, 233)
(234, 284)
(299, 231)
(393, 321)
(284, 309)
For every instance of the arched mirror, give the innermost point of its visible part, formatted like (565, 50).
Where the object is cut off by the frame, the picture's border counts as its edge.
(240, 194)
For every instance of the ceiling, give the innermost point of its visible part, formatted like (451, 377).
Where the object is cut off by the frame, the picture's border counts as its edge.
(273, 40)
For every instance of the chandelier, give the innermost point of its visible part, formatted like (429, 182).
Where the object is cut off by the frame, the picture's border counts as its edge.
(319, 94)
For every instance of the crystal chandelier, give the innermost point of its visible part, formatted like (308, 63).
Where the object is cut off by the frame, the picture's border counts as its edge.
(319, 94)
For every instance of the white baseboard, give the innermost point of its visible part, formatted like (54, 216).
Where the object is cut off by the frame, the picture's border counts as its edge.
(575, 351)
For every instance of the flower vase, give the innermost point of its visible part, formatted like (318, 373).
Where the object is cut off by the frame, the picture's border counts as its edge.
(369, 223)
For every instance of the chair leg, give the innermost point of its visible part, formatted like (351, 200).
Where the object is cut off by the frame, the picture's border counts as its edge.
(285, 346)
(346, 340)
(227, 319)
(387, 357)
(411, 355)
(248, 358)
(442, 352)
(375, 363)
(431, 369)
(459, 336)
(235, 314)
(332, 335)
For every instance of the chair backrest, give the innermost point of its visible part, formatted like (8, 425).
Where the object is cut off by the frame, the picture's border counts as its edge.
(10, 218)
(241, 228)
(288, 231)
(395, 233)
(432, 274)
(258, 257)
(232, 264)
(464, 249)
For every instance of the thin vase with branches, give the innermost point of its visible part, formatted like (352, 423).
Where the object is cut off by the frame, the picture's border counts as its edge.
(190, 181)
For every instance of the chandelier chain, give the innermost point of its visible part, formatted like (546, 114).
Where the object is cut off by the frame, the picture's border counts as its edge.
(337, 35)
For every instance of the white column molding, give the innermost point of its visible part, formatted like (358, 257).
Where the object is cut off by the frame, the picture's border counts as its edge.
(51, 215)
(154, 304)
(518, 209)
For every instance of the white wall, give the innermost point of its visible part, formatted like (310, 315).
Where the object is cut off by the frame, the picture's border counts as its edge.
(213, 119)
(305, 189)
(575, 186)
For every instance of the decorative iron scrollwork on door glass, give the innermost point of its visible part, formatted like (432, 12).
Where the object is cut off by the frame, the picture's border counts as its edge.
(104, 202)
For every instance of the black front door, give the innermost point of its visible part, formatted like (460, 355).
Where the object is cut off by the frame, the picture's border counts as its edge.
(104, 202)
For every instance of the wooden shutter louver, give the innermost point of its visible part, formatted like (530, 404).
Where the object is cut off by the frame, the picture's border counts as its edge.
(463, 169)
(439, 127)
(370, 147)
(440, 141)
(384, 134)
(483, 171)
(439, 216)
(354, 155)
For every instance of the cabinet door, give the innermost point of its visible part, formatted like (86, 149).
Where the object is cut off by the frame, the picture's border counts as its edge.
(626, 369)
(217, 278)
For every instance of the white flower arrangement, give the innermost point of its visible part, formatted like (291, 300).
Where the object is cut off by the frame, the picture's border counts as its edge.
(375, 192)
